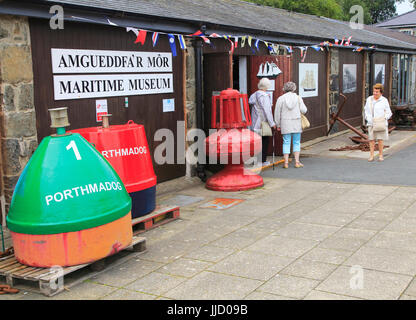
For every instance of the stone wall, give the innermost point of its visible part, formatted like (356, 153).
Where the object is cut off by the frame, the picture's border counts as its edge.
(17, 111)
(190, 106)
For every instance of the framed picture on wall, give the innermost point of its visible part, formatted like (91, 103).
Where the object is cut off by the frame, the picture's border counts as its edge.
(379, 73)
(308, 80)
(349, 77)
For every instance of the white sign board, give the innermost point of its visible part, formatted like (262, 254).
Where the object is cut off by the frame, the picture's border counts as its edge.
(101, 108)
(106, 61)
(168, 105)
(110, 85)
(308, 80)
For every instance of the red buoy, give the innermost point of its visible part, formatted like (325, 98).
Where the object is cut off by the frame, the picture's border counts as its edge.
(233, 143)
(125, 147)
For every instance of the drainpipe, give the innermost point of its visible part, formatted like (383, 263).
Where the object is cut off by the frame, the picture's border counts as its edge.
(371, 70)
(200, 168)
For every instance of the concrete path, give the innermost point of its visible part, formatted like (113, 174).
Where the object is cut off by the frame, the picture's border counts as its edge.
(291, 239)
(398, 168)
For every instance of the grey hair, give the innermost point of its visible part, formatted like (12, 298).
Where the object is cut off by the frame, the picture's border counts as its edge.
(264, 84)
(289, 87)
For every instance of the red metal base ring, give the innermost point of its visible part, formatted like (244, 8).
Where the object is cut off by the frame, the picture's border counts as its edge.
(234, 178)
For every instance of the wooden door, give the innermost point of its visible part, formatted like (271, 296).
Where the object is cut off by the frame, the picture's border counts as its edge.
(351, 85)
(380, 59)
(317, 103)
(218, 76)
(284, 63)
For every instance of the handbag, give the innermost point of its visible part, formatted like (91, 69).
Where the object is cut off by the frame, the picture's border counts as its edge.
(305, 122)
(266, 131)
(379, 124)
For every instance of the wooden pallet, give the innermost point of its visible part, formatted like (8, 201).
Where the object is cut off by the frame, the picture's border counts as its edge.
(50, 281)
(156, 218)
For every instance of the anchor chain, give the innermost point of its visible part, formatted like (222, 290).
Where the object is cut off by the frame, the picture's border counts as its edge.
(5, 288)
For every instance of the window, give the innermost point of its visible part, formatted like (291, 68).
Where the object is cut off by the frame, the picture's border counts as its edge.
(407, 31)
(401, 79)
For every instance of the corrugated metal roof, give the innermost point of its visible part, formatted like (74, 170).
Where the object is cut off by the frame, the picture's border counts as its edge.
(241, 14)
(408, 18)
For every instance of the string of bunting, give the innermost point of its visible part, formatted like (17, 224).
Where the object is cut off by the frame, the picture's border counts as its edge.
(273, 48)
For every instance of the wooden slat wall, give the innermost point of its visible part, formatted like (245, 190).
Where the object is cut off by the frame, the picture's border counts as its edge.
(143, 109)
(317, 106)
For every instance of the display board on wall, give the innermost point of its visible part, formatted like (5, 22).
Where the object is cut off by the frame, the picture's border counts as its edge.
(349, 77)
(308, 80)
(90, 82)
(380, 73)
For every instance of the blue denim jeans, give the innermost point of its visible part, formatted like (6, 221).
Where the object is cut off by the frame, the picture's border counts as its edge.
(296, 142)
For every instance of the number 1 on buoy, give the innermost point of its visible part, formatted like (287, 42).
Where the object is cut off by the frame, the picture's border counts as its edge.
(72, 145)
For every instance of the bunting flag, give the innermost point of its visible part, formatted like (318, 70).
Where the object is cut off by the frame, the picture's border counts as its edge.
(235, 42)
(249, 40)
(172, 44)
(336, 41)
(182, 41)
(271, 48)
(141, 37)
(206, 40)
(256, 44)
(111, 23)
(199, 33)
(303, 51)
(348, 42)
(317, 48)
(342, 42)
(243, 41)
(214, 35)
(136, 32)
(155, 38)
(289, 49)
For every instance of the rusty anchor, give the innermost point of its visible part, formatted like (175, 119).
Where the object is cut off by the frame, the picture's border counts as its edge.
(362, 138)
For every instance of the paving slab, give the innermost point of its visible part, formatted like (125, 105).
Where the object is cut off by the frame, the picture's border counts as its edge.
(306, 231)
(331, 256)
(309, 269)
(382, 259)
(213, 286)
(155, 283)
(126, 273)
(321, 295)
(411, 290)
(184, 267)
(210, 253)
(289, 286)
(281, 246)
(265, 296)
(252, 265)
(394, 240)
(123, 294)
(376, 285)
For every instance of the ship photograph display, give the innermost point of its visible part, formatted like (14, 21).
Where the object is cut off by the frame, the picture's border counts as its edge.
(308, 79)
(349, 78)
(379, 73)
